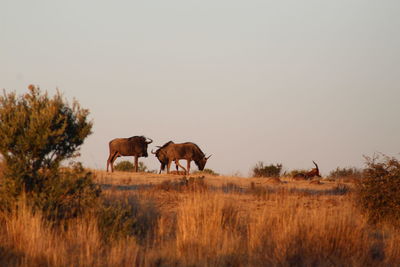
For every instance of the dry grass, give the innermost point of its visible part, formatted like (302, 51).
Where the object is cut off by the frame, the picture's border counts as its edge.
(28, 241)
(229, 222)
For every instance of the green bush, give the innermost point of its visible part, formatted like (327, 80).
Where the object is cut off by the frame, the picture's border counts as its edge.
(345, 173)
(124, 166)
(378, 192)
(71, 195)
(38, 133)
(207, 171)
(120, 218)
(261, 170)
(127, 166)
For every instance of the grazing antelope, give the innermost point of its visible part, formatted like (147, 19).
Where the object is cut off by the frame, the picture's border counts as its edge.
(170, 152)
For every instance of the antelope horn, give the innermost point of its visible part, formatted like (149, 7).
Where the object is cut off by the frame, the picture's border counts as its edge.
(149, 142)
(153, 152)
(209, 156)
(315, 164)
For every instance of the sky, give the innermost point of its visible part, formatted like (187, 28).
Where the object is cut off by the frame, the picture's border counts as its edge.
(273, 81)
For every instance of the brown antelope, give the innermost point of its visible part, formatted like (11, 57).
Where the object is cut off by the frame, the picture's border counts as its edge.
(162, 156)
(170, 152)
(308, 175)
(134, 146)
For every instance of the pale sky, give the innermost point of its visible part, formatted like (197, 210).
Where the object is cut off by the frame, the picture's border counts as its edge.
(274, 81)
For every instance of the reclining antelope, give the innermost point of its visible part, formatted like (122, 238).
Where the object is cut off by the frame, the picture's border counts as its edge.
(308, 175)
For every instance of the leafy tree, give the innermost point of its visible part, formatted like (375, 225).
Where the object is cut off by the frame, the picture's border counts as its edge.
(38, 133)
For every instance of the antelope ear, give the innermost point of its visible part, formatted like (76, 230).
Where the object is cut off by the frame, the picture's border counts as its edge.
(208, 157)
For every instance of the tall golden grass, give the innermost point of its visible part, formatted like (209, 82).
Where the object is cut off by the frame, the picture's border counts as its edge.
(210, 228)
(28, 241)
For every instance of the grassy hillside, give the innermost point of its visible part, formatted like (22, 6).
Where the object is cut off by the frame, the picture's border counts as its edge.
(210, 221)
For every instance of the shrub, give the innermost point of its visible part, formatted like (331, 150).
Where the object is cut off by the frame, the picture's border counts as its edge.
(345, 173)
(124, 166)
(207, 171)
(267, 171)
(126, 217)
(294, 172)
(127, 166)
(37, 133)
(378, 192)
(69, 196)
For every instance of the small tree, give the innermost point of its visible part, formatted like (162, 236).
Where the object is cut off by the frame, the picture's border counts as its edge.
(37, 133)
(261, 170)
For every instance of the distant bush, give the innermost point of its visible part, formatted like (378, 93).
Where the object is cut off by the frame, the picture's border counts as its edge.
(127, 166)
(124, 166)
(261, 170)
(345, 173)
(292, 173)
(378, 192)
(207, 171)
(37, 133)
